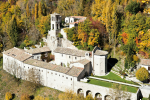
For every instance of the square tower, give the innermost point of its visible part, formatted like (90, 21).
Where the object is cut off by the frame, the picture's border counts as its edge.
(55, 21)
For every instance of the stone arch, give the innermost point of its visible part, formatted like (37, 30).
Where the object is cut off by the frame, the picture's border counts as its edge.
(108, 97)
(88, 92)
(98, 96)
(80, 92)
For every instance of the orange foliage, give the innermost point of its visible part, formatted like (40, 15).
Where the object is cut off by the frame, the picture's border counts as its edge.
(125, 37)
(136, 40)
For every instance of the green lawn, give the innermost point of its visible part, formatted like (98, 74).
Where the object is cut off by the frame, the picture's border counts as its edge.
(109, 84)
(114, 77)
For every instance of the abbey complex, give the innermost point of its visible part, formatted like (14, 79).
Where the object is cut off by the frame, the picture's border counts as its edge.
(69, 69)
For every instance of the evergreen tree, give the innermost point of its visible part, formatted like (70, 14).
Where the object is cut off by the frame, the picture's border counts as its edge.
(13, 31)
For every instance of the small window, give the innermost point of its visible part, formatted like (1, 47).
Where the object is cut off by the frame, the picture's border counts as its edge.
(62, 75)
(47, 72)
(24, 66)
(28, 67)
(55, 73)
(148, 68)
(59, 74)
(39, 69)
(71, 79)
(69, 56)
(51, 73)
(75, 57)
(62, 55)
(32, 68)
(42, 70)
(66, 77)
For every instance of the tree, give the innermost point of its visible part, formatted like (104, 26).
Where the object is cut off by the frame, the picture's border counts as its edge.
(70, 95)
(27, 10)
(8, 96)
(133, 7)
(40, 13)
(142, 74)
(36, 11)
(13, 31)
(25, 97)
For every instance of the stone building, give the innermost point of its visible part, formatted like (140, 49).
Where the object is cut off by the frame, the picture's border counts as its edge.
(69, 67)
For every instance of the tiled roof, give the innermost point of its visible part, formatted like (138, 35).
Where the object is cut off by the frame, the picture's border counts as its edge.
(100, 52)
(17, 53)
(74, 71)
(38, 50)
(83, 61)
(69, 71)
(69, 51)
(145, 61)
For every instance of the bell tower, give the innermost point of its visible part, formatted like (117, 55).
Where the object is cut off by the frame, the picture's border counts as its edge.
(55, 21)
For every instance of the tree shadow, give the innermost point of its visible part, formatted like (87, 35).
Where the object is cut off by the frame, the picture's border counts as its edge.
(111, 63)
(13, 96)
(32, 97)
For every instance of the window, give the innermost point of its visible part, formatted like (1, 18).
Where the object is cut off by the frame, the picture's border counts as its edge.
(148, 68)
(32, 68)
(62, 75)
(71, 79)
(69, 56)
(42, 70)
(28, 67)
(51, 73)
(55, 73)
(47, 72)
(37, 57)
(66, 77)
(24, 66)
(62, 55)
(39, 69)
(75, 57)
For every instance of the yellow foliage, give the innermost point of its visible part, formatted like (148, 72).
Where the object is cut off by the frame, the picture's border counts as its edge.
(142, 74)
(41, 98)
(135, 58)
(70, 95)
(8, 96)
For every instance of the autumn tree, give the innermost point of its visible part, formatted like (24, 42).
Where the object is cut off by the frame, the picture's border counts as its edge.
(70, 95)
(8, 96)
(40, 13)
(27, 10)
(142, 74)
(36, 11)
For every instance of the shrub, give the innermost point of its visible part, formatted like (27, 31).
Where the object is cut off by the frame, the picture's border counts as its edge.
(25, 97)
(8, 96)
(40, 98)
(142, 74)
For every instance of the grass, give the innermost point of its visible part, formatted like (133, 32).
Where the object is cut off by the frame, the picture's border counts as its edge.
(109, 85)
(114, 77)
